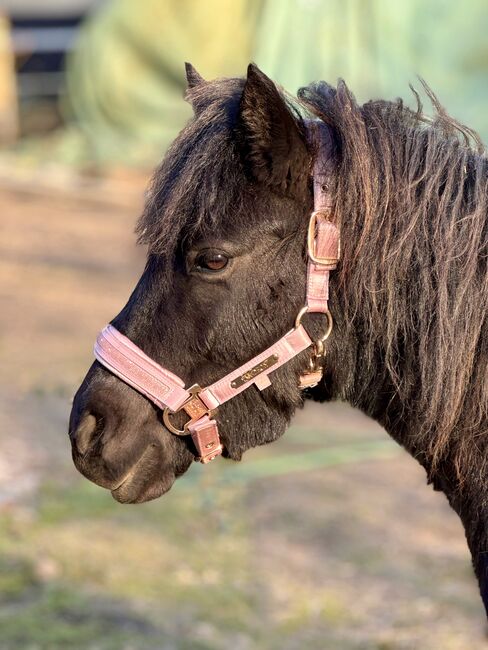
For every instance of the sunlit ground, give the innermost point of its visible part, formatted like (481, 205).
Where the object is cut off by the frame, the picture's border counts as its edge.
(328, 538)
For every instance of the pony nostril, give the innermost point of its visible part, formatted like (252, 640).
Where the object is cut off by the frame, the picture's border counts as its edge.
(83, 435)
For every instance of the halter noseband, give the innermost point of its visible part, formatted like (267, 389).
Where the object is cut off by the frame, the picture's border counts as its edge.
(167, 391)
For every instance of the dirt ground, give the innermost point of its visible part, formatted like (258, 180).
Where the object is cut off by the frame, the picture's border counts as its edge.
(328, 539)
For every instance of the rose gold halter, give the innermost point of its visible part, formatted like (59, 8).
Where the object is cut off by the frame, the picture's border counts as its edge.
(128, 362)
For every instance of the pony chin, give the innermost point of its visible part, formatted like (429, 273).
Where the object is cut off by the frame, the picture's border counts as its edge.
(134, 490)
(149, 478)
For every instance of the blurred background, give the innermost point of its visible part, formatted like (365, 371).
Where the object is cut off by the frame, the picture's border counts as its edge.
(328, 538)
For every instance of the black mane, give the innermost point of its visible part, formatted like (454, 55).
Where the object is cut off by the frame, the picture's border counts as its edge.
(197, 171)
(412, 201)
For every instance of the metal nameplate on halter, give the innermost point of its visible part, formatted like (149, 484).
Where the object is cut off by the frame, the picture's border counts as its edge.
(255, 371)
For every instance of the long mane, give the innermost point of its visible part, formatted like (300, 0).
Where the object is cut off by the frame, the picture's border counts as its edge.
(412, 199)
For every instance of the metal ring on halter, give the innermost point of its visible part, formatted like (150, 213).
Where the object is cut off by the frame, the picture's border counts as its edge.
(194, 407)
(169, 425)
(330, 322)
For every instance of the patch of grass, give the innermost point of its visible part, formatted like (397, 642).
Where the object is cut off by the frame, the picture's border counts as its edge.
(182, 559)
(307, 606)
(80, 500)
(82, 572)
(55, 617)
(55, 389)
(16, 575)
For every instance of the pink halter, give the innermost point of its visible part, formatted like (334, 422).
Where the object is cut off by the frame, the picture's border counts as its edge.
(128, 362)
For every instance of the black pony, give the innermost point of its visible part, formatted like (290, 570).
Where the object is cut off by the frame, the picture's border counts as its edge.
(225, 225)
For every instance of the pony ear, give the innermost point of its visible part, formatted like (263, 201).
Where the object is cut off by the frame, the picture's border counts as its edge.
(273, 146)
(193, 78)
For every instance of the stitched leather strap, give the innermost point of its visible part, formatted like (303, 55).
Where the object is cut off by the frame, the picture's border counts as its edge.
(124, 359)
(250, 373)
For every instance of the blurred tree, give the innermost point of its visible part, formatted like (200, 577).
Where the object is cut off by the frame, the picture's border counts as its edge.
(8, 95)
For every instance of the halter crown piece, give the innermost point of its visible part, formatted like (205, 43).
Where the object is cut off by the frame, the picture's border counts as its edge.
(167, 391)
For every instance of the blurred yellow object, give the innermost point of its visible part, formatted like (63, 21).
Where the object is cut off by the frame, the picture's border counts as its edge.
(8, 89)
(125, 79)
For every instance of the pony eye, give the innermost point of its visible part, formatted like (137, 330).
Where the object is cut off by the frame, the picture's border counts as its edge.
(211, 261)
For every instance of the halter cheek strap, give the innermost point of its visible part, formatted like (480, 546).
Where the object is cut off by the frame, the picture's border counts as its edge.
(167, 391)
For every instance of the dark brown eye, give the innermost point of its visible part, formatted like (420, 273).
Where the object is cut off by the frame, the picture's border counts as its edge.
(211, 261)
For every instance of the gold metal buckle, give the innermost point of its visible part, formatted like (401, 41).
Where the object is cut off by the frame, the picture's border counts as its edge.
(194, 407)
(312, 225)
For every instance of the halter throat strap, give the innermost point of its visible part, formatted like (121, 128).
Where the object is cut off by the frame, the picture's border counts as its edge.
(167, 391)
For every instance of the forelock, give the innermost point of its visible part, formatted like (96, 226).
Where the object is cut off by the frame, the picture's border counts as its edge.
(198, 184)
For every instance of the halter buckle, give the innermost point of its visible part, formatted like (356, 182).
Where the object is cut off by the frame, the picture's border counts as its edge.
(194, 407)
(332, 239)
